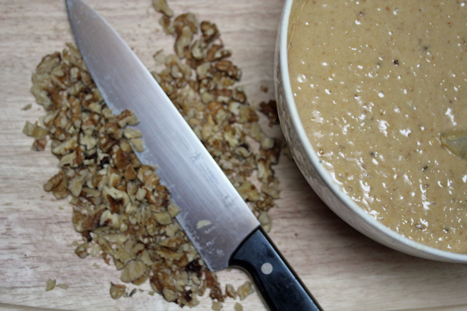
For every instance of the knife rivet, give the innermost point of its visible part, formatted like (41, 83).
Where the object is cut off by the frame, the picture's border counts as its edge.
(266, 268)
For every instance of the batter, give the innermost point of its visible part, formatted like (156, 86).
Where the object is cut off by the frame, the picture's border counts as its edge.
(376, 84)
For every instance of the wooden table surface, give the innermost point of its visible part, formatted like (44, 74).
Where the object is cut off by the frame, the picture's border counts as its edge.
(343, 269)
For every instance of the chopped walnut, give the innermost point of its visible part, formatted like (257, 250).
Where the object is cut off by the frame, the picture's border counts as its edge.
(39, 144)
(203, 223)
(34, 131)
(265, 221)
(137, 144)
(182, 42)
(82, 250)
(66, 146)
(127, 118)
(210, 31)
(186, 19)
(162, 7)
(50, 284)
(216, 306)
(58, 184)
(245, 290)
(131, 133)
(166, 24)
(62, 286)
(117, 290)
(238, 307)
(133, 271)
(269, 109)
(230, 291)
(27, 107)
(169, 294)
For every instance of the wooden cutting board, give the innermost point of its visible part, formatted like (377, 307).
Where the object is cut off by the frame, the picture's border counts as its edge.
(343, 269)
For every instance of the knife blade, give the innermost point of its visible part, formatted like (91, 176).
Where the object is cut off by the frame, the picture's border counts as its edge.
(230, 234)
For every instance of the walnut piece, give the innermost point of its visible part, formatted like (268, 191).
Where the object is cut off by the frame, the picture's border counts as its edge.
(27, 107)
(269, 109)
(162, 7)
(82, 250)
(230, 291)
(245, 290)
(34, 131)
(238, 307)
(39, 144)
(50, 284)
(265, 221)
(216, 305)
(62, 286)
(133, 271)
(117, 290)
(137, 144)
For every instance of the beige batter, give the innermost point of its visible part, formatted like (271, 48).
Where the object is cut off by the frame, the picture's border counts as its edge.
(376, 83)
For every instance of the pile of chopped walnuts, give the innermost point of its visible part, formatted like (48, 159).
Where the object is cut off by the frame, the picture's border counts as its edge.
(120, 207)
(200, 80)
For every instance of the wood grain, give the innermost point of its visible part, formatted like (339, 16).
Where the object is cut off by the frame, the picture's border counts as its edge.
(343, 269)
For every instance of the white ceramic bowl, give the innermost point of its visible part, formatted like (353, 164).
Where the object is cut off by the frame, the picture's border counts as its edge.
(320, 179)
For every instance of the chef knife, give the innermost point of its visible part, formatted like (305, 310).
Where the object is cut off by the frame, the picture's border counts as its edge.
(214, 216)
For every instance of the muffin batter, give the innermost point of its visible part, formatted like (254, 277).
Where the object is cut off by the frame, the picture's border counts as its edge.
(376, 83)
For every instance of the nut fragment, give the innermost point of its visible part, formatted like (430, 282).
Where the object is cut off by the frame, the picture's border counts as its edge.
(245, 290)
(82, 250)
(238, 307)
(169, 295)
(131, 133)
(456, 142)
(27, 107)
(39, 144)
(127, 118)
(203, 223)
(162, 7)
(117, 290)
(62, 286)
(132, 271)
(50, 284)
(138, 144)
(210, 31)
(58, 184)
(269, 109)
(265, 221)
(34, 131)
(182, 43)
(163, 218)
(216, 305)
(230, 291)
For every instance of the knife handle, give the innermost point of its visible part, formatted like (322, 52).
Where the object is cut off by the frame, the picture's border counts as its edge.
(279, 286)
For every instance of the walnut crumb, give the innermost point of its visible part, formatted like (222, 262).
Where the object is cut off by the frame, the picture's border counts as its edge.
(216, 305)
(203, 223)
(230, 291)
(238, 307)
(117, 290)
(27, 107)
(162, 7)
(50, 285)
(269, 109)
(245, 290)
(34, 131)
(62, 286)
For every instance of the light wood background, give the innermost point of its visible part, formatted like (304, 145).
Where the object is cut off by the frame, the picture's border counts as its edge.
(343, 269)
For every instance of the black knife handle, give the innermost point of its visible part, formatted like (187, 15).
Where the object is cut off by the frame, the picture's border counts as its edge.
(280, 287)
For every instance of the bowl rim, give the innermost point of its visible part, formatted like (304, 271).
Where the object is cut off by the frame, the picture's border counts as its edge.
(321, 170)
